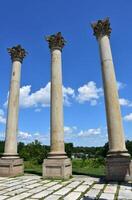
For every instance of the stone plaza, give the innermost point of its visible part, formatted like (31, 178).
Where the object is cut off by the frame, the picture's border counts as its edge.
(77, 188)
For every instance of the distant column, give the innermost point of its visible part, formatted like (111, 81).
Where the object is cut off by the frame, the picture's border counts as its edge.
(10, 155)
(118, 159)
(57, 155)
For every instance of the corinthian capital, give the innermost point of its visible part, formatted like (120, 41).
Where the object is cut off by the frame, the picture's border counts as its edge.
(101, 28)
(17, 53)
(56, 41)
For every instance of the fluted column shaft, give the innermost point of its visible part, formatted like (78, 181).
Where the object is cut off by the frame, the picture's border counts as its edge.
(13, 107)
(57, 132)
(17, 54)
(114, 119)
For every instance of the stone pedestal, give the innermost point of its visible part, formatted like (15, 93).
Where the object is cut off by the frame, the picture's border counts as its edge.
(10, 167)
(57, 168)
(118, 168)
(118, 159)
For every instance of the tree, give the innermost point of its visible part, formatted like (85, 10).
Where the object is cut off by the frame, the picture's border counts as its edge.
(69, 149)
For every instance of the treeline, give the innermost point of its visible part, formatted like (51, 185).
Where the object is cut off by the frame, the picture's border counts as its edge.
(36, 152)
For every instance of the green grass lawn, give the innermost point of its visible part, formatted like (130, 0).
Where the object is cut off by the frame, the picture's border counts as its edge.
(92, 167)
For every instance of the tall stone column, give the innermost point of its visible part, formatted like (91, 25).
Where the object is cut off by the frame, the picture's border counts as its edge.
(118, 163)
(57, 164)
(10, 163)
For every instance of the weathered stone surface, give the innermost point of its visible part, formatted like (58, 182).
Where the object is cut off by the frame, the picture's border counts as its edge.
(74, 184)
(92, 193)
(110, 189)
(53, 197)
(57, 168)
(119, 168)
(98, 186)
(81, 188)
(41, 194)
(14, 189)
(73, 195)
(63, 191)
(107, 196)
(11, 167)
(125, 194)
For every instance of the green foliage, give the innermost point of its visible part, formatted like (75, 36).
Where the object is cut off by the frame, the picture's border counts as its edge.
(129, 146)
(34, 151)
(69, 149)
(2, 143)
(91, 166)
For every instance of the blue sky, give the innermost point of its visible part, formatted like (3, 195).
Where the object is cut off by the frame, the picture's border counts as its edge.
(27, 22)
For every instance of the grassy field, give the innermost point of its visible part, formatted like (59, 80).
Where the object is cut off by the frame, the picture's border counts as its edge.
(92, 167)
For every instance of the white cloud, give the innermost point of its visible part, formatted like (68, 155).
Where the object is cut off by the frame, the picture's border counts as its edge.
(89, 132)
(120, 85)
(69, 130)
(37, 110)
(125, 102)
(2, 118)
(90, 93)
(24, 135)
(128, 117)
(67, 92)
(41, 97)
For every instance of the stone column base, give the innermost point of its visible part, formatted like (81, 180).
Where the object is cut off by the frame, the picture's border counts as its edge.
(119, 168)
(11, 167)
(57, 168)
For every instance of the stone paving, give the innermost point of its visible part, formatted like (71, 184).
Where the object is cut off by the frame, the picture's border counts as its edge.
(33, 187)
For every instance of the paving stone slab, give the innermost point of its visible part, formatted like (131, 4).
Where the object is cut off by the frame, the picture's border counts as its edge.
(41, 194)
(98, 186)
(33, 185)
(81, 188)
(52, 197)
(73, 195)
(74, 184)
(107, 196)
(110, 189)
(55, 187)
(125, 187)
(125, 194)
(50, 184)
(63, 191)
(37, 189)
(16, 192)
(3, 197)
(92, 193)
(20, 196)
(88, 182)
